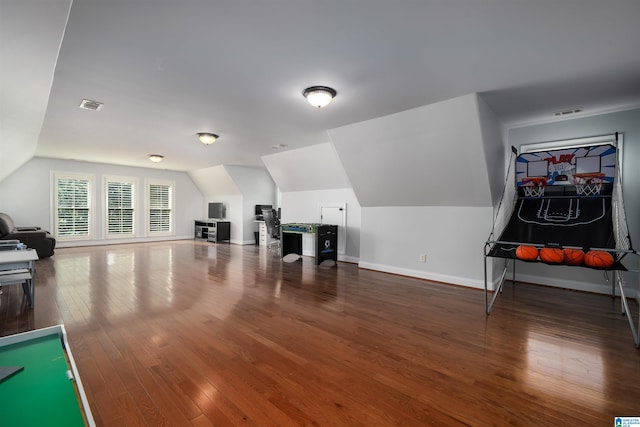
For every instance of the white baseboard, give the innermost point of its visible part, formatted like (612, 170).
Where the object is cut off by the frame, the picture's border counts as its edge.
(603, 288)
(347, 258)
(243, 242)
(77, 243)
(444, 278)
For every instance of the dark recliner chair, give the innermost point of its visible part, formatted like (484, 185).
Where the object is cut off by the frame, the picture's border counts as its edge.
(33, 237)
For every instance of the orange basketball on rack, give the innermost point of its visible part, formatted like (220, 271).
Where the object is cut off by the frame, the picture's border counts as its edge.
(573, 256)
(551, 255)
(527, 253)
(598, 259)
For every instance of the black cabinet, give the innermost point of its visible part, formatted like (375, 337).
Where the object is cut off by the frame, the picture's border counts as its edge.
(326, 243)
(213, 231)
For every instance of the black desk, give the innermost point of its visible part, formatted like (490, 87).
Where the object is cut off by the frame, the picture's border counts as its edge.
(326, 240)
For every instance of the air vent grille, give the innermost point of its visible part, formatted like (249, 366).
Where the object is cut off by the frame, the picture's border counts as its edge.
(569, 111)
(88, 104)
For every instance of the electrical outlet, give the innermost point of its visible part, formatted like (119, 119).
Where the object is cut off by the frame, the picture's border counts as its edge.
(423, 257)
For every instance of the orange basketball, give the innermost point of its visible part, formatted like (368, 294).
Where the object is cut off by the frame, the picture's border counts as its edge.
(551, 255)
(598, 259)
(573, 256)
(527, 253)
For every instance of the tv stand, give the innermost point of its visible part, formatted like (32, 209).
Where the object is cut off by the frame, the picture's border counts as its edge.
(212, 230)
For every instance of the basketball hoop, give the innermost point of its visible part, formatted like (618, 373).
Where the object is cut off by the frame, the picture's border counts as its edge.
(588, 184)
(533, 187)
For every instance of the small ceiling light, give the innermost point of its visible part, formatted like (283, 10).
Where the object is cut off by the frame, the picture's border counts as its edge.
(319, 96)
(207, 138)
(155, 158)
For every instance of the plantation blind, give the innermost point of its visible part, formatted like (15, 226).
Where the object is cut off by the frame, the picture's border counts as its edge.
(160, 208)
(120, 208)
(73, 207)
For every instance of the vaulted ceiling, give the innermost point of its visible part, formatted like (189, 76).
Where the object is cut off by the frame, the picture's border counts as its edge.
(166, 69)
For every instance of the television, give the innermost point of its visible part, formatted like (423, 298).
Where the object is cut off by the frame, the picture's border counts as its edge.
(216, 211)
(260, 207)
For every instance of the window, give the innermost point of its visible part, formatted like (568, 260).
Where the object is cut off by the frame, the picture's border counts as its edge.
(73, 202)
(160, 207)
(120, 193)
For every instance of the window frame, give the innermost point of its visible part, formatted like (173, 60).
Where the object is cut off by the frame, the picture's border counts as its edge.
(172, 188)
(108, 179)
(90, 178)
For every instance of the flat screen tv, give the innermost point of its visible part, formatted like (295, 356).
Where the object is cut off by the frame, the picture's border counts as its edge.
(260, 207)
(216, 211)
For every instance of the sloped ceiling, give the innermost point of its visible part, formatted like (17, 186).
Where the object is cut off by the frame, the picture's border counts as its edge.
(214, 181)
(428, 156)
(30, 36)
(250, 180)
(312, 168)
(167, 69)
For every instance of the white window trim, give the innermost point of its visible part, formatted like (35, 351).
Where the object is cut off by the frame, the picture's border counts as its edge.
(134, 181)
(91, 201)
(148, 182)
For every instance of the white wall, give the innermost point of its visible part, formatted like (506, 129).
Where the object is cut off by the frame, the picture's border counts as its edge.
(257, 188)
(626, 122)
(392, 239)
(233, 213)
(240, 188)
(304, 206)
(311, 168)
(26, 196)
(31, 34)
(427, 156)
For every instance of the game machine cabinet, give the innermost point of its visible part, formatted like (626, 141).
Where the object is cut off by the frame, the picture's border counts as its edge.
(564, 206)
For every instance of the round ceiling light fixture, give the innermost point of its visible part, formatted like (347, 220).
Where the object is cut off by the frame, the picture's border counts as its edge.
(319, 96)
(207, 138)
(155, 158)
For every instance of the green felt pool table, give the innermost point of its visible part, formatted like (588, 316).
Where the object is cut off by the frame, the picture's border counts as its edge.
(47, 390)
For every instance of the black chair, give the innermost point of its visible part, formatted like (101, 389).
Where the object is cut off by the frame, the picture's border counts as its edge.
(33, 237)
(272, 222)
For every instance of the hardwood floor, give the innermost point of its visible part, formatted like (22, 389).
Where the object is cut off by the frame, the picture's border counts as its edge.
(193, 334)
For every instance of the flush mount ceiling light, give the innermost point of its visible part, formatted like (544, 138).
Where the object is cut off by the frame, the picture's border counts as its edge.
(155, 158)
(319, 96)
(207, 138)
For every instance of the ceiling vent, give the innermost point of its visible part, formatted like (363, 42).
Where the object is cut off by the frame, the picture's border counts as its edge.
(567, 112)
(88, 104)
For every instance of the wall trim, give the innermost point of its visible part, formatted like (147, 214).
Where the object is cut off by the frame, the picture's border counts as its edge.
(243, 242)
(77, 243)
(547, 118)
(442, 278)
(603, 288)
(347, 258)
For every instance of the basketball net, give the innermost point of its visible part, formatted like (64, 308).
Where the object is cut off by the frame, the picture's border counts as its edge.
(508, 200)
(619, 217)
(533, 187)
(588, 184)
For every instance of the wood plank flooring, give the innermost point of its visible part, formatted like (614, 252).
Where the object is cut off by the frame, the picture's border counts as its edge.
(193, 334)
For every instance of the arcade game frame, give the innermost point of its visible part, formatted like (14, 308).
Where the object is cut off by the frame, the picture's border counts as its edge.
(564, 195)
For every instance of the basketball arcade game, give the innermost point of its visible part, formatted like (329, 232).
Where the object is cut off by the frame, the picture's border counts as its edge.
(562, 204)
